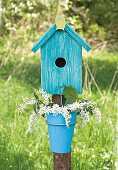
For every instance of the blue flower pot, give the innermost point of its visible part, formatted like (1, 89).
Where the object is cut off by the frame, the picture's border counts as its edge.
(59, 134)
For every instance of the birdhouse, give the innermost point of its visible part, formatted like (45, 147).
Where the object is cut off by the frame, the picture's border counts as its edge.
(61, 58)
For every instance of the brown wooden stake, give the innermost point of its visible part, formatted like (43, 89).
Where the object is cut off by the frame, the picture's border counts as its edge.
(62, 161)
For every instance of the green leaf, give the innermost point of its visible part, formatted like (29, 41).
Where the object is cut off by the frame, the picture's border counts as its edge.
(70, 94)
(36, 96)
(35, 108)
(37, 104)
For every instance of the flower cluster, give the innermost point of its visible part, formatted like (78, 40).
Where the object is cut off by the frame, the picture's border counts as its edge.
(84, 110)
(32, 120)
(73, 107)
(83, 107)
(55, 110)
(45, 97)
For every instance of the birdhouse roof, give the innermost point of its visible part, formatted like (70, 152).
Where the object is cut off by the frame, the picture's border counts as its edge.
(68, 29)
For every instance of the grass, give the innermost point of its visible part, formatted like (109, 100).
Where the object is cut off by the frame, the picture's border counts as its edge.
(93, 145)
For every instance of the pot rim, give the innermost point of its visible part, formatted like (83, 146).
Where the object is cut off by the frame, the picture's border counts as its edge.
(55, 124)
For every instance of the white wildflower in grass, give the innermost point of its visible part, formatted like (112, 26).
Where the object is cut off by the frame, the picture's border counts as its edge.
(97, 114)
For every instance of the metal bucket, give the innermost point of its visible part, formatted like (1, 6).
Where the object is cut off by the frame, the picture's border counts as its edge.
(59, 134)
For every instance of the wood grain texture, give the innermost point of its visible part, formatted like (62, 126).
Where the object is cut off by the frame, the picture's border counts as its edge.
(58, 99)
(68, 29)
(62, 161)
(53, 79)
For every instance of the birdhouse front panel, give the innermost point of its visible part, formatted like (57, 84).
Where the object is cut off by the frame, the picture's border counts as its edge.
(61, 58)
(61, 63)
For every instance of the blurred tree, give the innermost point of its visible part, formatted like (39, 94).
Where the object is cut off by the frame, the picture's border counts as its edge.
(29, 12)
(105, 14)
(96, 19)
(93, 19)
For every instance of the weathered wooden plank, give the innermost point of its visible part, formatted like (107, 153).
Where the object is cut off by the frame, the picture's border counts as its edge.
(53, 79)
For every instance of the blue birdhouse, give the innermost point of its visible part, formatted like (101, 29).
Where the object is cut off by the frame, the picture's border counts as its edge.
(61, 58)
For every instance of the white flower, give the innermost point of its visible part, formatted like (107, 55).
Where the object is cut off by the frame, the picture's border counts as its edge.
(85, 116)
(42, 110)
(84, 109)
(45, 96)
(32, 120)
(30, 102)
(26, 102)
(22, 107)
(73, 107)
(55, 109)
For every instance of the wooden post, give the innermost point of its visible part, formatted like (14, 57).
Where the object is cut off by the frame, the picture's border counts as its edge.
(62, 161)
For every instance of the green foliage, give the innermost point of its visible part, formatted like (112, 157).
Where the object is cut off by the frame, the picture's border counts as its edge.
(30, 13)
(95, 31)
(70, 94)
(95, 20)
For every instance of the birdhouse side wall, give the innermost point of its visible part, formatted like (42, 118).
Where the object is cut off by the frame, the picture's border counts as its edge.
(53, 78)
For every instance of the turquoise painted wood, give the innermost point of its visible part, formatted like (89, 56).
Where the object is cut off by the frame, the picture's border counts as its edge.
(53, 78)
(66, 44)
(47, 35)
(68, 29)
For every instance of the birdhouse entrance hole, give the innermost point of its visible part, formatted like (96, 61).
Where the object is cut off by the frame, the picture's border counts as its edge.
(60, 62)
